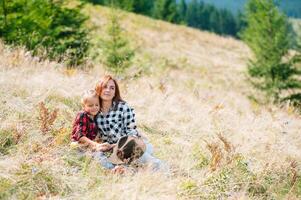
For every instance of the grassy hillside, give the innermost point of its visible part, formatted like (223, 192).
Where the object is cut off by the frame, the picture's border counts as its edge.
(191, 99)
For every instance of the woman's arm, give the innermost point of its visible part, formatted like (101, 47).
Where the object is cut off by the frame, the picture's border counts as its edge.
(129, 120)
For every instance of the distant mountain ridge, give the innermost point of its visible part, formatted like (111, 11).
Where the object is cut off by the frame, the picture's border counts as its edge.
(291, 7)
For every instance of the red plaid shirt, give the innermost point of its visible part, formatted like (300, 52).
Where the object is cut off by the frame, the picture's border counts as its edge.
(83, 125)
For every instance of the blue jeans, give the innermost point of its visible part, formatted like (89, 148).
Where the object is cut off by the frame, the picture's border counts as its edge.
(146, 158)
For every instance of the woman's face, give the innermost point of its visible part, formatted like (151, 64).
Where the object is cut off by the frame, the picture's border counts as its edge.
(108, 91)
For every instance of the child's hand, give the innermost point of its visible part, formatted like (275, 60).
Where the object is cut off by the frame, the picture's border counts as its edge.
(119, 170)
(103, 147)
(74, 145)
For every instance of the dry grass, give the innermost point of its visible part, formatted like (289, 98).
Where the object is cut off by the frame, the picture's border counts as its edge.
(46, 117)
(191, 89)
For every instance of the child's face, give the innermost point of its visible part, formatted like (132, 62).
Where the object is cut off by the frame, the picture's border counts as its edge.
(92, 106)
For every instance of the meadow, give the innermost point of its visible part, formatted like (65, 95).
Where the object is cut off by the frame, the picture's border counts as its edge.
(192, 99)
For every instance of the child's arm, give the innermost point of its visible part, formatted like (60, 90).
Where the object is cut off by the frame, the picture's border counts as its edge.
(87, 142)
(98, 138)
(81, 135)
(81, 131)
(94, 145)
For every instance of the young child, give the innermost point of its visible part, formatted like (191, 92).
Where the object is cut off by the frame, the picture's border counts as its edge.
(85, 131)
(84, 128)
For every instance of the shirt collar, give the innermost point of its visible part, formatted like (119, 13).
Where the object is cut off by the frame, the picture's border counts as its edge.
(112, 108)
(88, 115)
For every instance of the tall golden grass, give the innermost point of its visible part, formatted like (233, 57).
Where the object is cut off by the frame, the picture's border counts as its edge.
(191, 100)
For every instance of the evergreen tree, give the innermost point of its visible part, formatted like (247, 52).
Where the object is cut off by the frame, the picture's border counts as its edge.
(240, 22)
(182, 11)
(158, 9)
(127, 5)
(49, 26)
(192, 14)
(215, 22)
(205, 16)
(97, 2)
(143, 7)
(228, 23)
(267, 35)
(116, 51)
(166, 10)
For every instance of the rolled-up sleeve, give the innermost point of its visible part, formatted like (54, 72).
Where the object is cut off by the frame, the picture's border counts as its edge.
(129, 121)
(80, 128)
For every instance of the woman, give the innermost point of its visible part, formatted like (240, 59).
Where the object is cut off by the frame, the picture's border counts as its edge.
(117, 119)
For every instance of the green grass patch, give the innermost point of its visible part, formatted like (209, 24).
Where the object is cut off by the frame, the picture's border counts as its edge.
(62, 135)
(189, 188)
(151, 130)
(20, 92)
(7, 141)
(32, 182)
(200, 158)
(80, 164)
(5, 185)
(73, 103)
(274, 185)
(73, 158)
(233, 177)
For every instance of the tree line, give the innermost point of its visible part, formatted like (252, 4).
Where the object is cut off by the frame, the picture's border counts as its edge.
(49, 28)
(195, 13)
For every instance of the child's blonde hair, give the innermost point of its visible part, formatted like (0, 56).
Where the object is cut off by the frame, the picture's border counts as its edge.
(86, 95)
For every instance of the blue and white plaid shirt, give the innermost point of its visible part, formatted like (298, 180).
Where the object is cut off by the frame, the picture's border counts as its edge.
(118, 122)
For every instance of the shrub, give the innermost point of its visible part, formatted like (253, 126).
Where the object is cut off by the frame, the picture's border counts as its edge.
(45, 26)
(46, 117)
(118, 55)
(272, 69)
